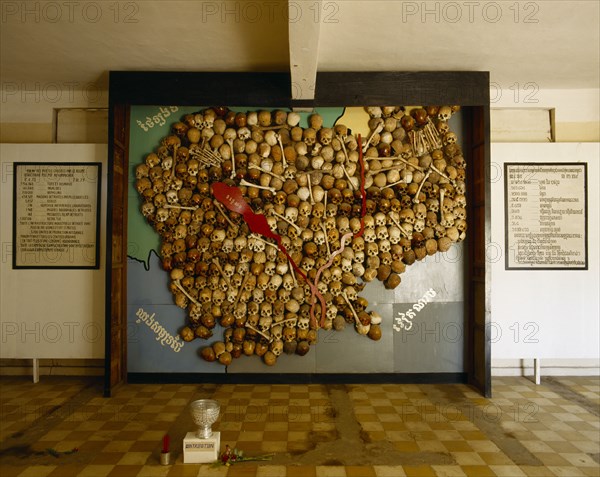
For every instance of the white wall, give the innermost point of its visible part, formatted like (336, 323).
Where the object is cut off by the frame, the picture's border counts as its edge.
(49, 313)
(547, 314)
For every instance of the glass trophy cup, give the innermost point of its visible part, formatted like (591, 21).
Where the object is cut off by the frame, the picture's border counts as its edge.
(202, 446)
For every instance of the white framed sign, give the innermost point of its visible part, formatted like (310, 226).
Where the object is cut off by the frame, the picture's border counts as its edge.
(546, 216)
(56, 215)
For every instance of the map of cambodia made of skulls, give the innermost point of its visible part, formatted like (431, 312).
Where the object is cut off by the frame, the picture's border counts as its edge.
(270, 223)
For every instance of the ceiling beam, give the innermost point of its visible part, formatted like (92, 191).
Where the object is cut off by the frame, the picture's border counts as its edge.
(304, 31)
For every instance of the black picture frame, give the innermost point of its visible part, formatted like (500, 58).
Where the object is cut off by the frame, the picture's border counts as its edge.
(542, 237)
(38, 254)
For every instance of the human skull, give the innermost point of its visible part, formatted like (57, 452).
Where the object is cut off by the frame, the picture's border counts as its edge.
(447, 205)
(309, 136)
(359, 257)
(332, 210)
(394, 234)
(370, 236)
(444, 113)
(275, 282)
(384, 246)
(291, 213)
(180, 231)
(141, 171)
(330, 223)
(420, 211)
(325, 136)
(346, 265)
(358, 244)
(258, 296)
(185, 217)
(331, 312)
(218, 235)
(195, 312)
(460, 201)
(159, 200)
(172, 197)
(288, 282)
(382, 232)
(244, 133)
(143, 184)
(460, 213)
(355, 225)
(192, 167)
(433, 205)
(335, 288)
(277, 332)
(369, 222)
(407, 216)
(442, 127)
(269, 268)
(304, 323)
(447, 220)
(218, 297)
(351, 293)
(304, 209)
(380, 219)
(319, 237)
(265, 320)
(205, 295)
(227, 245)
(450, 138)
(228, 270)
(358, 269)
(460, 187)
(307, 264)
(372, 249)
(203, 244)
(148, 209)
(318, 210)
(343, 224)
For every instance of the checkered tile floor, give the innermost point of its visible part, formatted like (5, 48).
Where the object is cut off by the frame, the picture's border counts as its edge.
(312, 430)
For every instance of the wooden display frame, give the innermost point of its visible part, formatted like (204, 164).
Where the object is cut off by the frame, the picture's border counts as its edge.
(271, 90)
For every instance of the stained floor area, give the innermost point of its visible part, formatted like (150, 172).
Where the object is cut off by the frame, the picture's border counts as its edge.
(313, 430)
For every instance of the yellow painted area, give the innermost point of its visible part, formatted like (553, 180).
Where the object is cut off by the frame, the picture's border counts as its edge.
(357, 119)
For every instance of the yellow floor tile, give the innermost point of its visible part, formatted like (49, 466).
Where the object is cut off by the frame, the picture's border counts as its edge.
(271, 471)
(95, 471)
(117, 437)
(36, 471)
(507, 471)
(389, 471)
(330, 471)
(448, 471)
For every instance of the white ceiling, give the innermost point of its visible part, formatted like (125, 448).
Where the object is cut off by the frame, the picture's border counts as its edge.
(554, 44)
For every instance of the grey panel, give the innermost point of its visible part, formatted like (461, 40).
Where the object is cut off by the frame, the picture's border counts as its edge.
(148, 350)
(435, 343)
(148, 286)
(348, 352)
(285, 364)
(376, 293)
(443, 272)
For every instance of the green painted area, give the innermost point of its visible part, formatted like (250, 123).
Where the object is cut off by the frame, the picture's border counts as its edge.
(148, 125)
